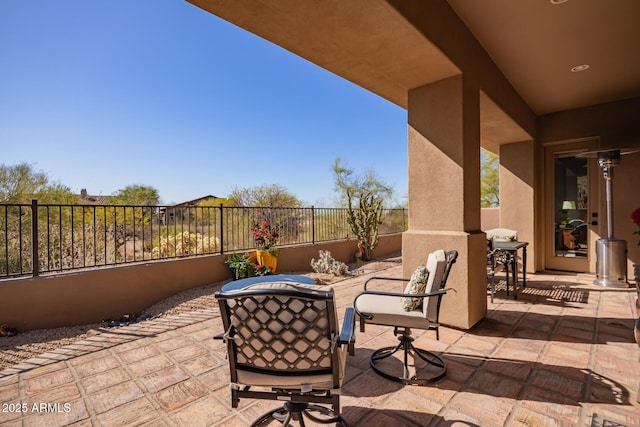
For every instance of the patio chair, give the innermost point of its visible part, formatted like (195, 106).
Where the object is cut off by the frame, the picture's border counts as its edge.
(497, 260)
(418, 307)
(579, 234)
(504, 234)
(284, 343)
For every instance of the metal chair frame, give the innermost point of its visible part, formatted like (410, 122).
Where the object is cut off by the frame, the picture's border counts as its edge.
(404, 333)
(243, 347)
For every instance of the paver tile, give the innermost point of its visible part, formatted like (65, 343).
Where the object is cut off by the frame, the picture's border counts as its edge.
(174, 344)
(163, 378)
(147, 366)
(47, 381)
(114, 396)
(93, 367)
(180, 394)
(407, 406)
(43, 370)
(187, 352)
(532, 362)
(138, 412)
(61, 394)
(57, 414)
(104, 379)
(9, 392)
(522, 417)
(495, 385)
(131, 355)
(215, 379)
(551, 403)
(201, 413)
(489, 409)
(201, 364)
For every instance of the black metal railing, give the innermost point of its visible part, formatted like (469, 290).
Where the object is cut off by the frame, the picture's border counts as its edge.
(46, 238)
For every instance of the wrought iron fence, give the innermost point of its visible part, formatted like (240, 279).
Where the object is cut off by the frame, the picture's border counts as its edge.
(45, 238)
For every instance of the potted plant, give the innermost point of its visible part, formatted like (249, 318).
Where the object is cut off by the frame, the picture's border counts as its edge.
(267, 253)
(263, 270)
(240, 265)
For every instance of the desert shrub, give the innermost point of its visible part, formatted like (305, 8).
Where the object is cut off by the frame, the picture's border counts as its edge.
(185, 243)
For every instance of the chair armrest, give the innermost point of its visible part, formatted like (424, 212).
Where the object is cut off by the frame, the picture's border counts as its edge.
(348, 334)
(397, 279)
(402, 295)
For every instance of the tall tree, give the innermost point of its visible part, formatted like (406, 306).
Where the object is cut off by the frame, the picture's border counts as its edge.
(267, 203)
(21, 183)
(364, 195)
(143, 195)
(346, 181)
(273, 196)
(489, 179)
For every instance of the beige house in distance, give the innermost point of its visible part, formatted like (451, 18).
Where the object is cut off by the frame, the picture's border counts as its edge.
(535, 81)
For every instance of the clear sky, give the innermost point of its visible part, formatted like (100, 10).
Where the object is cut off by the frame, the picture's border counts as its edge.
(104, 94)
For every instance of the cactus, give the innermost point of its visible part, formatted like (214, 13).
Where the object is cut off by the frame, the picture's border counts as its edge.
(365, 221)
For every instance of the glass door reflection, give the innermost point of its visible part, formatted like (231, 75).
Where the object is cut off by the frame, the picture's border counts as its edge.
(570, 206)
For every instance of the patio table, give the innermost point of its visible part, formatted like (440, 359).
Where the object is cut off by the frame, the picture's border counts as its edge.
(243, 283)
(510, 251)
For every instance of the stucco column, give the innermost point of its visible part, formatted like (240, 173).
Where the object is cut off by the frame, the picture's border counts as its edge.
(517, 204)
(444, 193)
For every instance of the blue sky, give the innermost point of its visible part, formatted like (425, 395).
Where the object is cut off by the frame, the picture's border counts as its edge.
(101, 95)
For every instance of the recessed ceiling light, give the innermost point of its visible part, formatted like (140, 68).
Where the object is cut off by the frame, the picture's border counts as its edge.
(558, 1)
(579, 68)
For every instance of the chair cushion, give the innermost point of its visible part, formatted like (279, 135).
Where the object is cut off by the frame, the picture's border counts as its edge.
(436, 264)
(502, 235)
(385, 310)
(417, 285)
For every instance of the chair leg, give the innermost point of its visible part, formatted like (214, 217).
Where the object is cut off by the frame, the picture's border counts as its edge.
(492, 283)
(298, 411)
(506, 272)
(515, 277)
(406, 344)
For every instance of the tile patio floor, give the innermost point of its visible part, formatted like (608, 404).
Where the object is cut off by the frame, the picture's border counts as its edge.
(562, 355)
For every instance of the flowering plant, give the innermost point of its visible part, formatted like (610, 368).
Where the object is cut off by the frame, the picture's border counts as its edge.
(263, 270)
(263, 236)
(635, 217)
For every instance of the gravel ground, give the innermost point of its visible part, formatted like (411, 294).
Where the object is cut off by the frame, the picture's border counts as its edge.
(32, 343)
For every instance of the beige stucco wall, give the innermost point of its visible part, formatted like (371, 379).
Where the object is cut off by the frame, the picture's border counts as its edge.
(298, 258)
(109, 293)
(444, 193)
(626, 198)
(489, 218)
(517, 194)
(615, 125)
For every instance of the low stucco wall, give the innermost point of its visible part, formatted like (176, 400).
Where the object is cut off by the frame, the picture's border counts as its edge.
(86, 297)
(298, 258)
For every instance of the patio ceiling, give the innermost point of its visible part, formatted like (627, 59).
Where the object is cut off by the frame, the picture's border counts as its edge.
(519, 52)
(536, 43)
